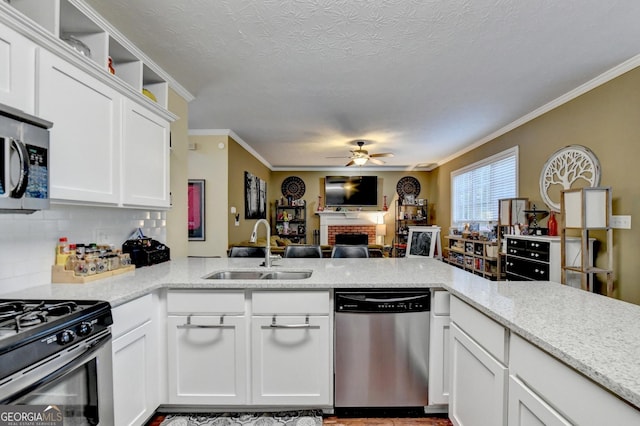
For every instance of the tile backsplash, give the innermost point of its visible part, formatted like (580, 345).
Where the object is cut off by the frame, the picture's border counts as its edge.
(27, 242)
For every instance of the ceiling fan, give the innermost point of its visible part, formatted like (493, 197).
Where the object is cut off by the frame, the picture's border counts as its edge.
(360, 156)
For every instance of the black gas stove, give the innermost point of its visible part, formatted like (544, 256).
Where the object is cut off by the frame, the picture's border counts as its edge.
(32, 330)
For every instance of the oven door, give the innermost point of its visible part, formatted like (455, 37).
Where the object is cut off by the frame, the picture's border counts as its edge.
(77, 380)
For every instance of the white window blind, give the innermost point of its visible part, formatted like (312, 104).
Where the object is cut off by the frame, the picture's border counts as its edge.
(476, 189)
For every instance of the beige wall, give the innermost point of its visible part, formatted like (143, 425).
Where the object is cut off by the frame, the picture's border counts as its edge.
(314, 186)
(177, 215)
(240, 160)
(209, 161)
(606, 120)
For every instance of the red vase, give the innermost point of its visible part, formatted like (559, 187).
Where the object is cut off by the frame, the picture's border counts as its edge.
(552, 225)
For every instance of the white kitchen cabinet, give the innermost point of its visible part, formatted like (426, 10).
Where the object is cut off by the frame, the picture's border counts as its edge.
(544, 390)
(207, 347)
(135, 361)
(207, 359)
(292, 351)
(439, 345)
(479, 373)
(85, 138)
(17, 73)
(291, 360)
(145, 157)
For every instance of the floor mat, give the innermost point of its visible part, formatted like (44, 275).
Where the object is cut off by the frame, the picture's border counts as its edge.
(288, 418)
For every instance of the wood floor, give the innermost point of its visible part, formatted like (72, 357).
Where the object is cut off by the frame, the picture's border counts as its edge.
(392, 421)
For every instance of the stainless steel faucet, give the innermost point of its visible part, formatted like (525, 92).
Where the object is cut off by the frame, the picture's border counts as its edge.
(254, 237)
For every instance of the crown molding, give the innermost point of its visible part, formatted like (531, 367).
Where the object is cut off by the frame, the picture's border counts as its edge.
(603, 78)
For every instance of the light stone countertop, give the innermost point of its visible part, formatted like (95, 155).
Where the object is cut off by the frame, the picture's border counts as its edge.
(596, 335)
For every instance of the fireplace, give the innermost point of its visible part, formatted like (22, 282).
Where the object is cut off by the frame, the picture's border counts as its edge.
(349, 222)
(352, 239)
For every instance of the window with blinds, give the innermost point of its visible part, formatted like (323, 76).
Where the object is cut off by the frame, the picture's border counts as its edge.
(476, 189)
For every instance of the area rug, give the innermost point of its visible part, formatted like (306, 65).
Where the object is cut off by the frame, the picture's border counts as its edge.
(288, 418)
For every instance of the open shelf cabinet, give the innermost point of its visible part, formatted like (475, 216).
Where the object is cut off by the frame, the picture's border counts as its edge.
(477, 256)
(71, 20)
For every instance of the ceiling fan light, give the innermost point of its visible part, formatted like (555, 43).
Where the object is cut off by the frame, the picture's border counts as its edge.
(360, 161)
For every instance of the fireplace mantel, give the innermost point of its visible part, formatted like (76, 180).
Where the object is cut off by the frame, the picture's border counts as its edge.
(347, 218)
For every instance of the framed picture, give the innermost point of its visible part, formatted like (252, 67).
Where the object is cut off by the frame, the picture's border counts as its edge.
(423, 241)
(255, 197)
(195, 209)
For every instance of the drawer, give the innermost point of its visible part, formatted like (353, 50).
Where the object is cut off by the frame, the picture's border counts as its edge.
(203, 302)
(440, 301)
(291, 302)
(131, 315)
(527, 268)
(485, 331)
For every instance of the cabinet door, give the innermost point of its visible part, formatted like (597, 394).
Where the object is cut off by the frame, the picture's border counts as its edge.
(17, 73)
(291, 366)
(478, 384)
(527, 409)
(145, 156)
(207, 361)
(134, 372)
(85, 134)
(439, 360)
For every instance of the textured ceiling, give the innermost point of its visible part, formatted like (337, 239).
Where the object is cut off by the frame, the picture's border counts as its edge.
(301, 80)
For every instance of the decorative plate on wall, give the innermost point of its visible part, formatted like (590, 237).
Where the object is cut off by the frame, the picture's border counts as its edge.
(408, 185)
(294, 187)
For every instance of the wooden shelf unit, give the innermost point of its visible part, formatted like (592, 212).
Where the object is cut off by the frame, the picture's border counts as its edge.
(296, 224)
(407, 215)
(477, 256)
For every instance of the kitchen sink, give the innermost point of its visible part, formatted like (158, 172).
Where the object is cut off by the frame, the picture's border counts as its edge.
(259, 275)
(286, 275)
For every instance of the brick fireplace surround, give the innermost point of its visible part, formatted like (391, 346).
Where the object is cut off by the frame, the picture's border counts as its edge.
(350, 222)
(370, 230)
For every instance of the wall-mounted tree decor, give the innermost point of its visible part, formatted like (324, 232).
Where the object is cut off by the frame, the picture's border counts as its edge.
(571, 166)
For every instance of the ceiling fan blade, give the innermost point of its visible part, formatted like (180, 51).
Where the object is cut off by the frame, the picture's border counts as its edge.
(382, 154)
(342, 156)
(350, 163)
(374, 161)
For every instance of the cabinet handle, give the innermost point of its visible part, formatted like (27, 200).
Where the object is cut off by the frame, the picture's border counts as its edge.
(188, 325)
(305, 325)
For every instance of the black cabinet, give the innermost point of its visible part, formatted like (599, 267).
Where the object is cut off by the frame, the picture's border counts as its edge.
(529, 259)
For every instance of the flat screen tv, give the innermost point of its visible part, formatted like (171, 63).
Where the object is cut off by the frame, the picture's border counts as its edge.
(351, 191)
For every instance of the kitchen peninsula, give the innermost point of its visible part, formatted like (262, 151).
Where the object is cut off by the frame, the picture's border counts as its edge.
(594, 335)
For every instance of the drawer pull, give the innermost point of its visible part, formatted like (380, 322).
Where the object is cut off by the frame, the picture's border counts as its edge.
(188, 325)
(275, 325)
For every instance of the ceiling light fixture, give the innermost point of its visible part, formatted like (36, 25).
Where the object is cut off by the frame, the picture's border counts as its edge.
(360, 161)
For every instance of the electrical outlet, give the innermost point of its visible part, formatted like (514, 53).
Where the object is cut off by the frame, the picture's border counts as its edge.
(620, 221)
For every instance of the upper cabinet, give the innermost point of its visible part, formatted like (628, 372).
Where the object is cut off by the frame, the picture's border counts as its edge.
(145, 140)
(17, 73)
(106, 99)
(84, 138)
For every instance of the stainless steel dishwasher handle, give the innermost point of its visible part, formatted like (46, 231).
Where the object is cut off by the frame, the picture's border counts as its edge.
(188, 325)
(275, 325)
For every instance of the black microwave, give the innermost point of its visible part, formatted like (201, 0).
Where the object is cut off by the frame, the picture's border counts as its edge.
(24, 161)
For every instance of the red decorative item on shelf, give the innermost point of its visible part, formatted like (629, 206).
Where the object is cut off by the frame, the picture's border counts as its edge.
(112, 70)
(552, 224)
(384, 206)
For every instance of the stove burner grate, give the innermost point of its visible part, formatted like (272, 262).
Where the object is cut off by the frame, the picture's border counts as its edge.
(18, 315)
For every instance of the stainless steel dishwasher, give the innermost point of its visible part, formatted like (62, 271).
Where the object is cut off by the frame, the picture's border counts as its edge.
(381, 348)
